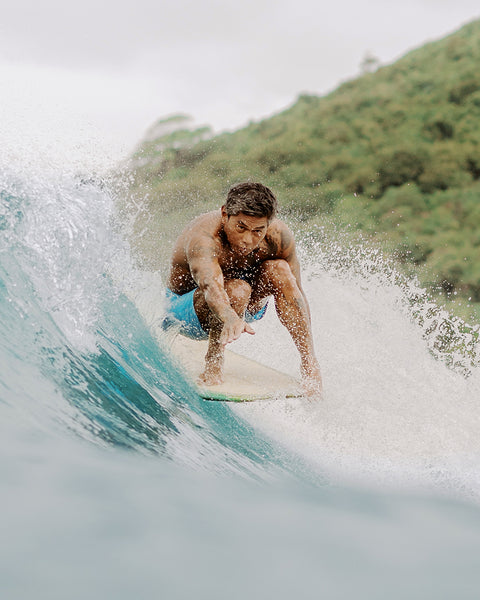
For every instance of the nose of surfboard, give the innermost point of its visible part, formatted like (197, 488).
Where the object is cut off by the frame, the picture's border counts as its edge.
(245, 379)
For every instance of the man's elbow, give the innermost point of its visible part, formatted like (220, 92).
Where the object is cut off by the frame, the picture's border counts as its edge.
(208, 286)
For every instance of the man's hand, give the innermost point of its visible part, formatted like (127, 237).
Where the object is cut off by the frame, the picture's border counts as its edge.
(233, 329)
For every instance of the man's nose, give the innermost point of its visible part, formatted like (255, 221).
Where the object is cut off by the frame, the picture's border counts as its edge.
(248, 238)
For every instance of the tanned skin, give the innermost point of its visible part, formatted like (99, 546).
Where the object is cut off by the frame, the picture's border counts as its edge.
(209, 255)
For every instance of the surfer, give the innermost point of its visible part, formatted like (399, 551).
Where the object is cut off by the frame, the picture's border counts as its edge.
(225, 266)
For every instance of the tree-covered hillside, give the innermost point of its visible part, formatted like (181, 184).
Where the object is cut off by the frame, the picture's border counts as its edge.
(393, 154)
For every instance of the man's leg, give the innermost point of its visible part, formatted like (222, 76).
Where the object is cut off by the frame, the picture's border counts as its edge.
(276, 278)
(238, 292)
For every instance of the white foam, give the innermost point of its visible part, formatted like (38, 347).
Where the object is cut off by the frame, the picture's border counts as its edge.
(392, 411)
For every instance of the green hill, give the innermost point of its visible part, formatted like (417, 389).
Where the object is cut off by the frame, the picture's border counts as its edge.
(393, 155)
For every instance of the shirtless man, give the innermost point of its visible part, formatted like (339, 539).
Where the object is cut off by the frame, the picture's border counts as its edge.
(225, 266)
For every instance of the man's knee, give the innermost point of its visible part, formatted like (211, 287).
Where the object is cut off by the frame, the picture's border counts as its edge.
(278, 272)
(239, 292)
(280, 279)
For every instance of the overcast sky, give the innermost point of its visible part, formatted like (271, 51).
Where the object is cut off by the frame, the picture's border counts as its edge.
(96, 74)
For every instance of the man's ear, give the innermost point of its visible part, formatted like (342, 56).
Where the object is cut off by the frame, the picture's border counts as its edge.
(224, 215)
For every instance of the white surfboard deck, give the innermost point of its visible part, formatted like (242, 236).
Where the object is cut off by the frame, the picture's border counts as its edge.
(245, 380)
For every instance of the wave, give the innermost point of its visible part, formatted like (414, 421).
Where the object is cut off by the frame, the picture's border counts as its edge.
(79, 347)
(400, 405)
(116, 477)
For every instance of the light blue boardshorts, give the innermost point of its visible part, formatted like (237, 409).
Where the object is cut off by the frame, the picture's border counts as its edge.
(181, 315)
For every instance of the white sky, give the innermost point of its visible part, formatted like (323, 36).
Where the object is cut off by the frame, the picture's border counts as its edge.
(88, 78)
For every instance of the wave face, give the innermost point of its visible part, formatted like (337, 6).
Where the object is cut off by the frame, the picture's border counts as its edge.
(116, 479)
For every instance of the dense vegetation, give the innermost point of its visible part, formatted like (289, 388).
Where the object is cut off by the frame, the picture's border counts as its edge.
(393, 155)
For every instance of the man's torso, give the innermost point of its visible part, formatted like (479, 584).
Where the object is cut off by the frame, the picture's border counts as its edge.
(233, 264)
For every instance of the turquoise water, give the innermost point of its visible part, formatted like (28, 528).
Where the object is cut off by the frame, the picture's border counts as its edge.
(117, 481)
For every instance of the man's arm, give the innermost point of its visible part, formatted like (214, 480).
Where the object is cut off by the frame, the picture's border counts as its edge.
(202, 255)
(302, 336)
(288, 251)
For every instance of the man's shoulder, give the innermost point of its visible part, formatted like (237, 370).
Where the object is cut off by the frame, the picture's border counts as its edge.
(204, 224)
(279, 238)
(277, 225)
(279, 230)
(202, 230)
(213, 217)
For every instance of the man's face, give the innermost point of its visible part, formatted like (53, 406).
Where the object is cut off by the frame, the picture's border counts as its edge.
(244, 233)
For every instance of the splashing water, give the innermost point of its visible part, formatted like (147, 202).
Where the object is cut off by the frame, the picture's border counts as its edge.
(400, 407)
(115, 477)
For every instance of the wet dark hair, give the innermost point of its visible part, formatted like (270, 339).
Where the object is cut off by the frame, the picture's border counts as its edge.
(252, 199)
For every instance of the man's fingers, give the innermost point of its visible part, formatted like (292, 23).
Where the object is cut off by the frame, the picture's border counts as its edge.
(229, 335)
(225, 339)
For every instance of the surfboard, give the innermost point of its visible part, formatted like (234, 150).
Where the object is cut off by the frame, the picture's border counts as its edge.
(245, 379)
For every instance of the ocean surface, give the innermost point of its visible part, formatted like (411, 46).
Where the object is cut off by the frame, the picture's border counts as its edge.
(118, 481)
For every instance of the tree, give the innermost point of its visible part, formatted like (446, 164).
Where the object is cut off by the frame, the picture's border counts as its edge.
(370, 63)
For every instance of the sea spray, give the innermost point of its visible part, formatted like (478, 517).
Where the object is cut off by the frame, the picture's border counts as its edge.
(448, 337)
(116, 480)
(401, 406)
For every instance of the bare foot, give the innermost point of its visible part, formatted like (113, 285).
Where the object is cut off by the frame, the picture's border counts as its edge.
(312, 380)
(213, 373)
(312, 388)
(211, 377)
